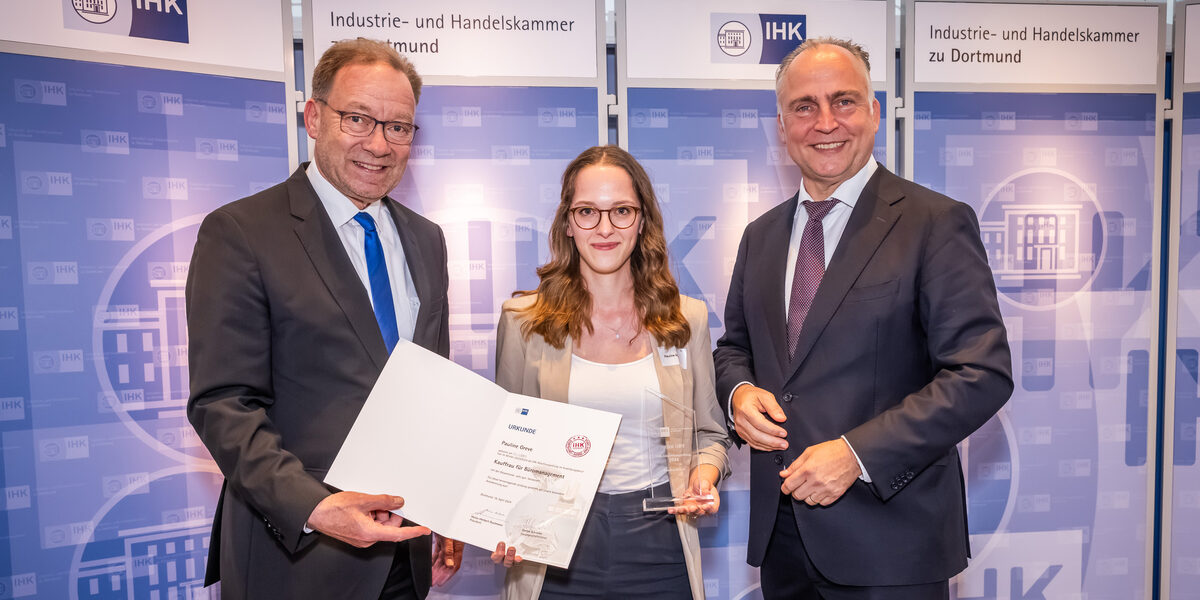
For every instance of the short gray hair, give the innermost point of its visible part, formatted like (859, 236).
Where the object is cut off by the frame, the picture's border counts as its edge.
(360, 51)
(854, 49)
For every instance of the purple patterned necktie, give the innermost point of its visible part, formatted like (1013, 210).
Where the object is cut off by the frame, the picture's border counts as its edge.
(810, 268)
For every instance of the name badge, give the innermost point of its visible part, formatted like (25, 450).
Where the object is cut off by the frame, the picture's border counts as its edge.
(673, 356)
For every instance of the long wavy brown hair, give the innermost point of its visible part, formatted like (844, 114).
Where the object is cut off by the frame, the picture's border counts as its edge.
(564, 304)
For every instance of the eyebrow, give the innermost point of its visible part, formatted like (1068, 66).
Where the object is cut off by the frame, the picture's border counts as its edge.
(809, 98)
(356, 107)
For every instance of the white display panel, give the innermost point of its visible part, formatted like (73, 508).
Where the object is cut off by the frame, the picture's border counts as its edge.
(244, 34)
(1049, 44)
(471, 38)
(679, 39)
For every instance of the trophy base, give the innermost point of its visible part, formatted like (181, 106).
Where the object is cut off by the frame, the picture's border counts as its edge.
(668, 502)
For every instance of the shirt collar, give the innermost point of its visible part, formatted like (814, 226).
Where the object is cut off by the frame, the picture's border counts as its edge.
(848, 191)
(341, 210)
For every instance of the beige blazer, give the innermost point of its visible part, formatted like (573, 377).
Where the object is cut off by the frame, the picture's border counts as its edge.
(535, 368)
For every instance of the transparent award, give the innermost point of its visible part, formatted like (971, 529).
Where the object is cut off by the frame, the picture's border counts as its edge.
(674, 446)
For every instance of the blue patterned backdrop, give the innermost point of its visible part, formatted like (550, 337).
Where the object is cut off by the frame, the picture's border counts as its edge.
(106, 172)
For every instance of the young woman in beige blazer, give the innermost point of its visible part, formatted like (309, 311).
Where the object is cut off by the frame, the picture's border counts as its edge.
(608, 306)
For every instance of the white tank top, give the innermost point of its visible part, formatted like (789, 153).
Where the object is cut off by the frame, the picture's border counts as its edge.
(639, 455)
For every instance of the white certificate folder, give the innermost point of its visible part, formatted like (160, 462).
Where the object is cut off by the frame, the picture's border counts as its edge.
(474, 462)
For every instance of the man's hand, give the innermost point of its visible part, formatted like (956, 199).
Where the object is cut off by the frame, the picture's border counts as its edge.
(822, 473)
(358, 519)
(447, 558)
(749, 404)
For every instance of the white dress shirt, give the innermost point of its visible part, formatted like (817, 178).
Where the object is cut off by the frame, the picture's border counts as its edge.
(341, 212)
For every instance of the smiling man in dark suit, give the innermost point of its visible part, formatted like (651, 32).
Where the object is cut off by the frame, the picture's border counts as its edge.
(863, 342)
(295, 297)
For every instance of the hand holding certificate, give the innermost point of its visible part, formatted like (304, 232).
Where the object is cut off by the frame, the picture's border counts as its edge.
(517, 469)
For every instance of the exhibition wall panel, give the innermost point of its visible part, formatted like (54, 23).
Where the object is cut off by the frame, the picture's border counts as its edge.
(1046, 119)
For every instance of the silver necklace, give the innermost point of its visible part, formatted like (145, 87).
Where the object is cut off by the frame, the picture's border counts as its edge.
(616, 330)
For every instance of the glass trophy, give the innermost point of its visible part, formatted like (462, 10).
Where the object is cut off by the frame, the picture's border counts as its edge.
(674, 446)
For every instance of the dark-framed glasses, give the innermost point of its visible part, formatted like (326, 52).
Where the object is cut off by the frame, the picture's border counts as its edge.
(400, 133)
(621, 217)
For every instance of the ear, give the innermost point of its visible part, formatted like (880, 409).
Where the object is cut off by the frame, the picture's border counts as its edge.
(312, 118)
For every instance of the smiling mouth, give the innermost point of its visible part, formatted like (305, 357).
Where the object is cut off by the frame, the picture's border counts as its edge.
(829, 146)
(368, 167)
(605, 246)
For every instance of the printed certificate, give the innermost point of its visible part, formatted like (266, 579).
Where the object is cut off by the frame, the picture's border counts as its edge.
(474, 462)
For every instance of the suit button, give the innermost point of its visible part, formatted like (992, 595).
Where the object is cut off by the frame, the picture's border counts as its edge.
(778, 459)
(787, 397)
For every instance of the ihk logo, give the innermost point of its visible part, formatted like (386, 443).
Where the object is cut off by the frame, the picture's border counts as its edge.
(165, 188)
(45, 183)
(216, 149)
(12, 409)
(160, 103)
(53, 93)
(151, 19)
(95, 11)
(6, 227)
(462, 116)
(265, 112)
(421, 154)
(104, 142)
(8, 318)
(733, 38)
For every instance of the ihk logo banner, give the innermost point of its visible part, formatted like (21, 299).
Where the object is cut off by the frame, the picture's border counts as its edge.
(165, 188)
(53, 93)
(53, 273)
(216, 149)
(6, 227)
(265, 112)
(104, 142)
(462, 116)
(46, 183)
(160, 103)
(110, 230)
(58, 361)
(9, 321)
(165, 20)
(755, 38)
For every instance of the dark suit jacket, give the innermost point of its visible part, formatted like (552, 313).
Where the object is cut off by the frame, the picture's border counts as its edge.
(284, 348)
(904, 352)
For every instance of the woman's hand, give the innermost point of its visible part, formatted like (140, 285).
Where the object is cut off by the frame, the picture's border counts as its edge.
(507, 557)
(703, 482)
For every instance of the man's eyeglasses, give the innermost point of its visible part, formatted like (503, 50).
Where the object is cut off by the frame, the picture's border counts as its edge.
(399, 133)
(588, 217)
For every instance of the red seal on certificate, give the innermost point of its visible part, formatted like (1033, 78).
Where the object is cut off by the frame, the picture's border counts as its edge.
(578, 445)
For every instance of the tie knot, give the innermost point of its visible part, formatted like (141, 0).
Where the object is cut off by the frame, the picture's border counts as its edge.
(816, 210)
(366, 221)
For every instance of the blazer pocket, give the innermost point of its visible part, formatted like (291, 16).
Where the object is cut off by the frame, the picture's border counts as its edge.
(872, 291)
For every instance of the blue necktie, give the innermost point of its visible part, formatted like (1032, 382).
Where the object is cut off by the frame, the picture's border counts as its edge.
(381, 286)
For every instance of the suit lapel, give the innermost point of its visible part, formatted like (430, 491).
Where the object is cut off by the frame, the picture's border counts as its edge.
(328, 256)
(873, 217)
(771, 271)
(554, 369)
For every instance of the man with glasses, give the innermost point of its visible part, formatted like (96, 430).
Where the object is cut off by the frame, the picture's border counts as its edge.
(295, 297)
